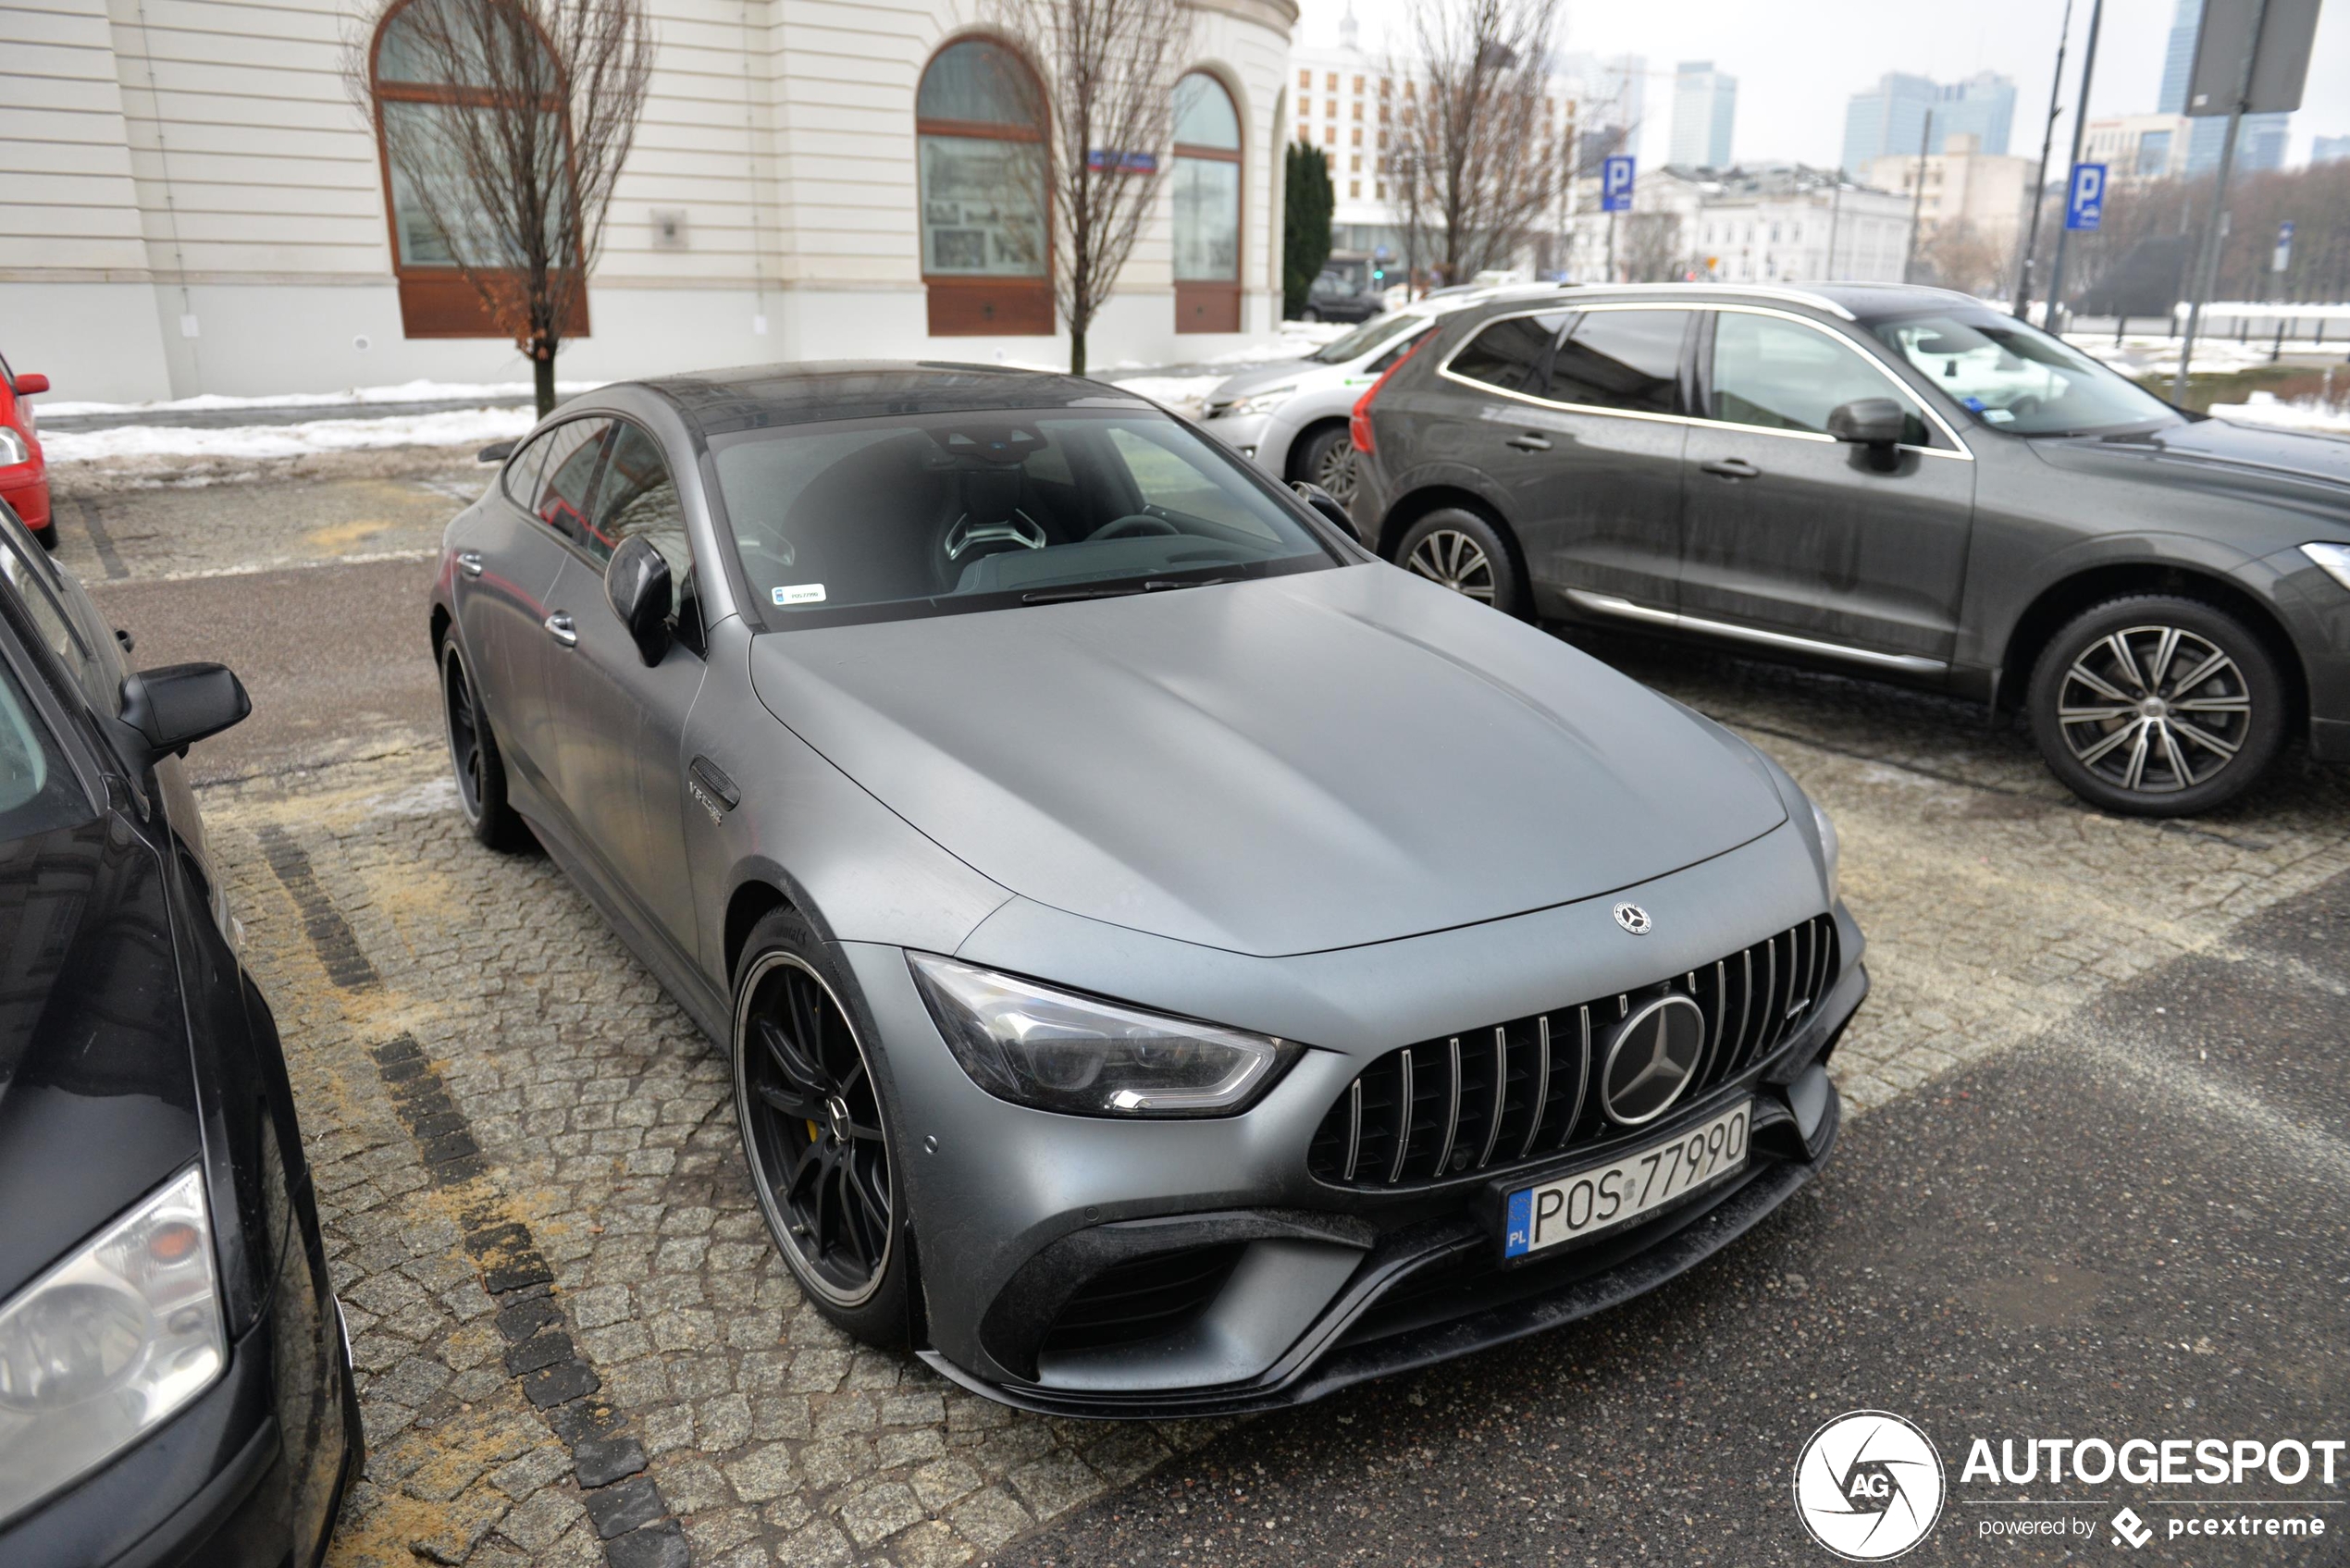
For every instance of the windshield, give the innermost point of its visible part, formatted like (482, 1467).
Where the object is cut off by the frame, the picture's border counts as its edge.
(1367, 339)
(2017, 378)
(881, 519)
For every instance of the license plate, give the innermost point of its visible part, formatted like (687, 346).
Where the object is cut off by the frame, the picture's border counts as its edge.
(1587, 1203)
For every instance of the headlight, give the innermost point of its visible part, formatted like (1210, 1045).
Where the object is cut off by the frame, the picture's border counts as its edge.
(1058, 1051)
(1831, 851)
(2334, 558)
(13, 447)
(1265, 401)
(105, 1346)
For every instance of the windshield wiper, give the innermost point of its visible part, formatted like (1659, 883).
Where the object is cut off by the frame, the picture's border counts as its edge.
(1119, 590)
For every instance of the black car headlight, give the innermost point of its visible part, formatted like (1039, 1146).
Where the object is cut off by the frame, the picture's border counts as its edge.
(109, 1344)
(1058, 1051)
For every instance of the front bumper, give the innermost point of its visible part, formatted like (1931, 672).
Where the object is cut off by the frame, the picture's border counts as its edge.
(215, 1484)
(1297, 1285)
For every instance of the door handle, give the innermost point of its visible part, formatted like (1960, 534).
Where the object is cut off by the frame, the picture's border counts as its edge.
(1732, 468)
(559, 627)
(469, 563)
(1530, 441)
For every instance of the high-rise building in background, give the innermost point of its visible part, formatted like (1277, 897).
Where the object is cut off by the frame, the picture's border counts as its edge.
(1890, 117)
(2260, 144)
(2330, 148)
(1705, 103)
(1610, 95)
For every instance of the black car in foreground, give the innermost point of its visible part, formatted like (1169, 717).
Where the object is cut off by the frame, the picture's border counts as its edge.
(174, 1382)
(1892, 481)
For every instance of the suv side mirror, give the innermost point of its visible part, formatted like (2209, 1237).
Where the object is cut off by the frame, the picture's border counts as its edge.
(176, 705)
(1333, 512)
(637, 584)
(1868, 422)
(495, 451)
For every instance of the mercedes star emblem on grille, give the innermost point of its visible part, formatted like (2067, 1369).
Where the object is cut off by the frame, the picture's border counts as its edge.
(1632, 918)
(1653, 1058)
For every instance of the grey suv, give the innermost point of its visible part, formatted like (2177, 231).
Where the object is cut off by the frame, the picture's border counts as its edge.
(1886, 480)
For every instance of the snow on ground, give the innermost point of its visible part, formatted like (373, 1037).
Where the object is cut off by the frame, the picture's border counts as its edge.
(2160, 356)
(402, 392)
(2301, 413)
(459, 428)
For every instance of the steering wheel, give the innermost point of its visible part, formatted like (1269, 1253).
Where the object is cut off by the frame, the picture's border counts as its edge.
(1133, 525)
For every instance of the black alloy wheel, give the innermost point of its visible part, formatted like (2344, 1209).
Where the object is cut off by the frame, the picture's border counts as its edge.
(2157, 706)
(473, 756)
(1465, 552)
(1328, 460)
(816, 1133)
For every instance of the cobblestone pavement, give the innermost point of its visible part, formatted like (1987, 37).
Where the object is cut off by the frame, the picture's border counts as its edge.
(575, 1341)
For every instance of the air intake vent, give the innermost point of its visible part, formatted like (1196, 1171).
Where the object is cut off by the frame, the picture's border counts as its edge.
(1146, 1299)
(1524, 1090)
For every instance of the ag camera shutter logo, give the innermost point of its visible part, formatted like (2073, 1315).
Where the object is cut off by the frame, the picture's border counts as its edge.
(1868, 1485)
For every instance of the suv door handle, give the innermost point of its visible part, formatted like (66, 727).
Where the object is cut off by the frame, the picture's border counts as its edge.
(469, 563)
(1530, 441)
(559, 627)
(1732, 468)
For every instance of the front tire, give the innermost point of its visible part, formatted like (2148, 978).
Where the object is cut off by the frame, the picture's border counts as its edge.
(816, 1131)
(1465, 551)
(474, 757)
(2157, 706)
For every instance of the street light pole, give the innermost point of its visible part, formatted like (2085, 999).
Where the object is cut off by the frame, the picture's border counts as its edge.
(2040, 185)
(2214, 235)
(2080, 126)
(1917, 197)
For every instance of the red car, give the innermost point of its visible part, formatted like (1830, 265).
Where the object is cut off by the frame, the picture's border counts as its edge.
(24, 477)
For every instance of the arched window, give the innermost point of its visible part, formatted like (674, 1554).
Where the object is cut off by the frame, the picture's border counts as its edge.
(978, 124)
(1207, 206)
(434, 61)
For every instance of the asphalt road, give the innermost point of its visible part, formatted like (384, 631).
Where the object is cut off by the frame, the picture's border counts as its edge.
(2135, 1226)
(2116, 1214)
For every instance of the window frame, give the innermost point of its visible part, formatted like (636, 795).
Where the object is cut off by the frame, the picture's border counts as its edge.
(960, 305)
(1936, 425)
(1204, 305)
(441, 301)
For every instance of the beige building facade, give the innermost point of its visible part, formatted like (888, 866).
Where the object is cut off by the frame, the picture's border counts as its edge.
(191, 202)
(1989, 192)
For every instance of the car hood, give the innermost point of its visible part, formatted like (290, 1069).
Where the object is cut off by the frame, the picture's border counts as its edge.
(1257, 378)
(97, 1098)
(1290, 765)
(2296, 468)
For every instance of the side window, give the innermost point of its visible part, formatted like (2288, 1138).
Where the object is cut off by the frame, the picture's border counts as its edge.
(1622, 359)
(637, 497)
(519, 478)
(570, 469)
(1781, 374)
(103, 694)
(1510, 353)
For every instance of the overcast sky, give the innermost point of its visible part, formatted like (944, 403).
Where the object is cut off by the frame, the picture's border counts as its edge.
(1797, 63)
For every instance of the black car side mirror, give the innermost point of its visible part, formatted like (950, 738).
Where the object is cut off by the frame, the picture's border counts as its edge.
(637, 584)
(176, 705)
(495, 451)
(1333, 512)
(1868, 422)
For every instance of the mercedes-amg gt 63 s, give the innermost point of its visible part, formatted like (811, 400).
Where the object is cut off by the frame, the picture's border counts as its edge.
(1171, 961)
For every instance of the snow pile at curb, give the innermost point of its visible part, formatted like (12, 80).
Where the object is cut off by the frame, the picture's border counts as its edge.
(457, 427)
(400, 392)
(2301, 413)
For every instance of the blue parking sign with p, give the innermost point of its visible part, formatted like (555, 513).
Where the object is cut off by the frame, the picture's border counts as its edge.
(1616, 185)
(2084, 202)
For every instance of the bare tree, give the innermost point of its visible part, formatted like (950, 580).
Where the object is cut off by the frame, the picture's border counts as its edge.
(506, 123)
(1959, 255)
(1109, 68)
(1652, 248)
(1475, 166)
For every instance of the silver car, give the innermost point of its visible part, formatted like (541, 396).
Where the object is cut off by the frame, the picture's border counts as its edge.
(1170, 962)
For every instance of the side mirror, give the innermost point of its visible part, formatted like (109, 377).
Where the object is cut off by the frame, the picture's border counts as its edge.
(495, 451)
(32, 385)
(637, 584)
(1332, 510)
(176, 705)
(1868, 422)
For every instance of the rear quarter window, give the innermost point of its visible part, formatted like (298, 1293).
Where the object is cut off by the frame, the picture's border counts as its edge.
(1512, 353)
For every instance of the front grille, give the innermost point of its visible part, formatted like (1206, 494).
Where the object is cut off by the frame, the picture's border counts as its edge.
(1145, 1299)
(1527, 1089)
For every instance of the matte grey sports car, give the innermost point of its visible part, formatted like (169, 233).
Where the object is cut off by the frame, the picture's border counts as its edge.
(1171, 961)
